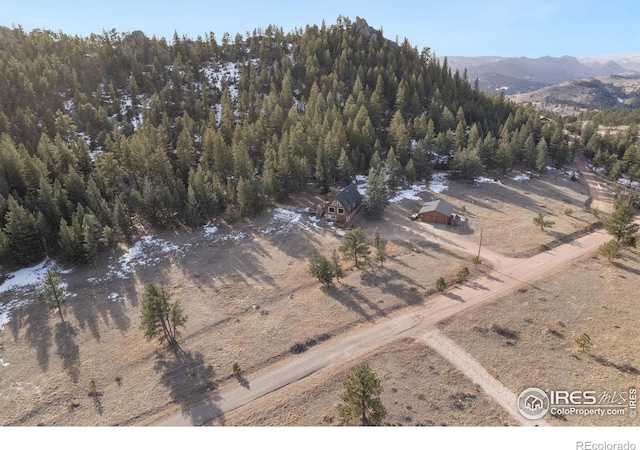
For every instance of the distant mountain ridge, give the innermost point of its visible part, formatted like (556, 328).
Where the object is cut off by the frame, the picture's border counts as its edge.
(520, 75)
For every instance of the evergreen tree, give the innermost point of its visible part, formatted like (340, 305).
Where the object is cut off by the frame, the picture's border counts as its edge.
(530, 152)
(249, 197)
(381, 248)
(467, 165)
(541, 158)
(621, 223)
(355, 246)
(410, 172)
(22, 242)
(376, 197)
(161, 318)
(361, 391)
(393, 169)
(344, 168)
(203, 198)
(610, 250)
(91, 236)
(122, 220)
(336, 268)
(53, 292)
(540, 221)
(320, 268)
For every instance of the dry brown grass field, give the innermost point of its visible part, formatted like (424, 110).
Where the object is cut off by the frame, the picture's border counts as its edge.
(420, 388)
(504, 211)
(249, 299)
(547, 315)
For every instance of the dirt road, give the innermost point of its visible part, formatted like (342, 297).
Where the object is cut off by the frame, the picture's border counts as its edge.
(418, 322)
(472, 369)
(413, 322)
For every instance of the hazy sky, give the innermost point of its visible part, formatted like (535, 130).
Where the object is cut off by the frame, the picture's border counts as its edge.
(454, 27)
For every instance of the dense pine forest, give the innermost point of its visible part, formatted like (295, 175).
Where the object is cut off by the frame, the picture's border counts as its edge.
(99, 134)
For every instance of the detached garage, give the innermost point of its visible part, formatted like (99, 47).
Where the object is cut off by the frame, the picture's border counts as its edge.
(437, 211)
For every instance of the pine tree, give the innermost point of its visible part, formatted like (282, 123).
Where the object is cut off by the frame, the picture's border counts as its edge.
(361, 396)
(91, 236)
(610, 250)
(203, 198)
(249, 197)
(394, 170)
(122, 220)
(161, 318)
(530, 152)
(467, 165)
(381, 248)
(541, 158)
(320, 268)
(336, 268)
(344, 167)
(540, 221)
(376, 197)
(22, 239)
(355, 246)
(53, 292)
(621, 223)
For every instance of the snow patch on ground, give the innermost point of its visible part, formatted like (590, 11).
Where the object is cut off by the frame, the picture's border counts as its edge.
(400, 194)
(147, 252)
(208, 230)
(8, 308)
(521, 177)
(572, 174)
(282, 221)
(438, 182)
(483, 180)
(628, 182)
(24, 280)
(409, 194)
(114, 297)
(594, 169)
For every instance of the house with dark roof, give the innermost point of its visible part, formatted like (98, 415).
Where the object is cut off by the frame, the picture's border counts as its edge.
(344, 205)
(438, 211)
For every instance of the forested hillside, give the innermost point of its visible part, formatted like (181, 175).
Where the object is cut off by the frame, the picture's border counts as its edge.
(102, 133)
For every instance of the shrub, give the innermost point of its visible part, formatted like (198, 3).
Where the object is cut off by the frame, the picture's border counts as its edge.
(610, 250)
(505, 332)
(463, 274)
(441, 284)
(584, 342)
(298, 348)
(93, 390)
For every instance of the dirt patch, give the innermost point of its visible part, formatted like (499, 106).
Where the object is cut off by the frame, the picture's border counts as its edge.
(419, 388)
(527, 339)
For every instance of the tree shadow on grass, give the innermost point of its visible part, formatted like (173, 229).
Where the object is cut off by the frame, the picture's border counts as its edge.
(392, 282)
(68, 350)
(35, 318)
(191, 384)
(349, 297)
(626, 268)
